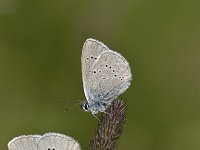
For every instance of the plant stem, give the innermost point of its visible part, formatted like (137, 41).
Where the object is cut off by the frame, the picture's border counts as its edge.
(110, 127)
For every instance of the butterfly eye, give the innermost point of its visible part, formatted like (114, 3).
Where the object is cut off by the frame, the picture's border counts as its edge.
(86, 106)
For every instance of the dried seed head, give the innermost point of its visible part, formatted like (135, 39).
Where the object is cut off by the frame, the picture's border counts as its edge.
(110, 127)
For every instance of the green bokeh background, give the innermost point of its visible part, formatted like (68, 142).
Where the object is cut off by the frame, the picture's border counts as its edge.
(40, 50)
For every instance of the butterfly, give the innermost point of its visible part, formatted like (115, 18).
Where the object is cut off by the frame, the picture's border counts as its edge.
(106, 74)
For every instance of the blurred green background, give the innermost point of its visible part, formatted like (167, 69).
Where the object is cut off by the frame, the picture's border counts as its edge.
(40, 50)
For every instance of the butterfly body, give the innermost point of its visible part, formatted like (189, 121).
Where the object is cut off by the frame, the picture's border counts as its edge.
(95, 107)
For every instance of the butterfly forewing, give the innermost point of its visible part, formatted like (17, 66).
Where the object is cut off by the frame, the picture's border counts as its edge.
(91, 51)
(24, 142)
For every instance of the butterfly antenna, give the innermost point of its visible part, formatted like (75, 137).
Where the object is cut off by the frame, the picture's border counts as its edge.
(75, 103)
(67, 101)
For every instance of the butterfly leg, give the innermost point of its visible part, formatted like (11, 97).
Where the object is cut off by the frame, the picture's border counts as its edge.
(96, 117)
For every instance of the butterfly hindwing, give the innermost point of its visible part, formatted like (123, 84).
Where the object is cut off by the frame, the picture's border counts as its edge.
(110, 76)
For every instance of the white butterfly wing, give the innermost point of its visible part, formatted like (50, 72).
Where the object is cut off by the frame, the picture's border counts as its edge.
(56, 141)
(24, 142)
(91, 51)
(110, 76)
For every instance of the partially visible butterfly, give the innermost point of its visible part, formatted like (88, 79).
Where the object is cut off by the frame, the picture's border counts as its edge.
(48, 141)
